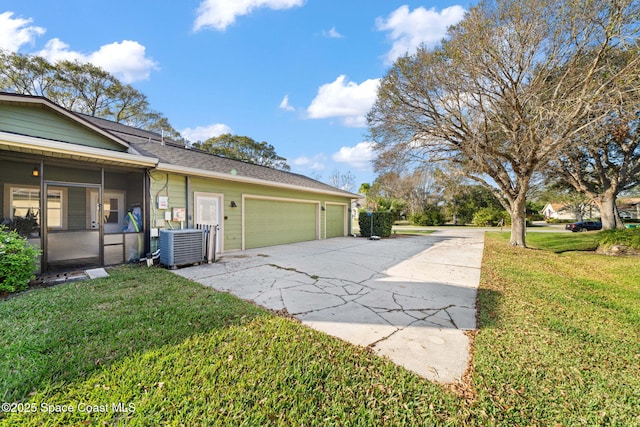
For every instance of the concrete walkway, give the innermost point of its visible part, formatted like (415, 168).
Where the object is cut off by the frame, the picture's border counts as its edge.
(408, 298)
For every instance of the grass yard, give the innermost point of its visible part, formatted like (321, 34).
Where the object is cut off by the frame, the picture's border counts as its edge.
(558, 344)
(563, 241)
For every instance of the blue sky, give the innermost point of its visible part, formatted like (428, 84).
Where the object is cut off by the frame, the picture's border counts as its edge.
(299, 74)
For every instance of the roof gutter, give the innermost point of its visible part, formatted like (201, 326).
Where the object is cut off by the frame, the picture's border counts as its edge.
(167, 167)
(32, 145)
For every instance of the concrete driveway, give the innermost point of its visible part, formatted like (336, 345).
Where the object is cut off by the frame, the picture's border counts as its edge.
(407, 298)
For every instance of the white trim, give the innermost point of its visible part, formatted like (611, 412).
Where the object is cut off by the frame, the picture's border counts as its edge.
(8, 203)
(220, 247)
(277, 199)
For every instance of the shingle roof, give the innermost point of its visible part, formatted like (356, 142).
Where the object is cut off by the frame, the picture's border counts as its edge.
(154, 145)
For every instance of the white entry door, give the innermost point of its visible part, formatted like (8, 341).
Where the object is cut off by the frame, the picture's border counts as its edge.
(208, 211)
(112, 210)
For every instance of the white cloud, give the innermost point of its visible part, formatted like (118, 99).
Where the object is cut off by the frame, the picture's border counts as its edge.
(347, 100)
(284, 104)
(358, 157)
(202, 133)
(15, 32)
(315, 163)
(56, 50)
(332, 33)
(410, 29)
(219, 14)
(126, 60)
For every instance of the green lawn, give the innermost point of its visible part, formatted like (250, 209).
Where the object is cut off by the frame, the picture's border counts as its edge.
(563, 241)
(558, 344)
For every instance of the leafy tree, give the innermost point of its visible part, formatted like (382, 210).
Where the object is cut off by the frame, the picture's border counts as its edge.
(244, 148)
(504, 92)
(364, 188)
(83, 88)
(490, 217)
(431, 215)
(468, 200)
(397, 207)
(27, 75)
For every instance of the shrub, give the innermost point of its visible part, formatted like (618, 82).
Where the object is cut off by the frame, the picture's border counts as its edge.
(623, 236)
(382, 223)
(18, 260)
(489, 217)
(432, 215)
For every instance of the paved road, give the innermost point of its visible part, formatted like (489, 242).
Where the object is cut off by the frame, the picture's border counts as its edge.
(410, 299)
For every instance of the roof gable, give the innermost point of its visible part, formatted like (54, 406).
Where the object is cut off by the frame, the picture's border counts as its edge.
(40, 118)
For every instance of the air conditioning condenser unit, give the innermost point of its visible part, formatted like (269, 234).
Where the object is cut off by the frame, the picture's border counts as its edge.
(181, 247)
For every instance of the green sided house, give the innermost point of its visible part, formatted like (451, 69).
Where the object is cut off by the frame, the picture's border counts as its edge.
(109, 190)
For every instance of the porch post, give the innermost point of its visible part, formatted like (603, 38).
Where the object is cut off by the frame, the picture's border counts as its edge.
(146, 209)
(188, 199)
(100, 218)
(43, 222)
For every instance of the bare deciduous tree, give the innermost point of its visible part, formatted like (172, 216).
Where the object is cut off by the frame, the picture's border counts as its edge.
(604, 159)
(343, 180)
(414, 188)
(511, 85)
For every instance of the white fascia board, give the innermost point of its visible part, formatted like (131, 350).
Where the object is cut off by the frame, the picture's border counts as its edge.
(31, 144)
(183, 170)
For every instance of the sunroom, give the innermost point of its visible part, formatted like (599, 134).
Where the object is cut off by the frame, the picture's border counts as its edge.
(74, 191)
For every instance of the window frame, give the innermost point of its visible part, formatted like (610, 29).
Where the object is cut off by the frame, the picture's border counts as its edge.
(10, 189)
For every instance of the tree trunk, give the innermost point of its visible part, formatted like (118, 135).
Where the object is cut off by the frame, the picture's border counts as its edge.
(609, 212)
(518, 222)
(455, 212)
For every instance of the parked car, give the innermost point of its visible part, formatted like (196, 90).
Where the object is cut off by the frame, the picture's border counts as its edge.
(625, 215)
(584, 226)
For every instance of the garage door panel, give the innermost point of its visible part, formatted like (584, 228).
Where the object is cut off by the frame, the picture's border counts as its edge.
(276, 222)
(335, 220)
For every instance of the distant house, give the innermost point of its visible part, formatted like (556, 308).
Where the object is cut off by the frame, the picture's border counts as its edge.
(109, 188)
(629, 208)
(556, 211)
(572, 212)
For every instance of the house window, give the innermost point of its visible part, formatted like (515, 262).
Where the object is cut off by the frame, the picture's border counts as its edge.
(111, 211)
(24, 202)
(54, 209)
